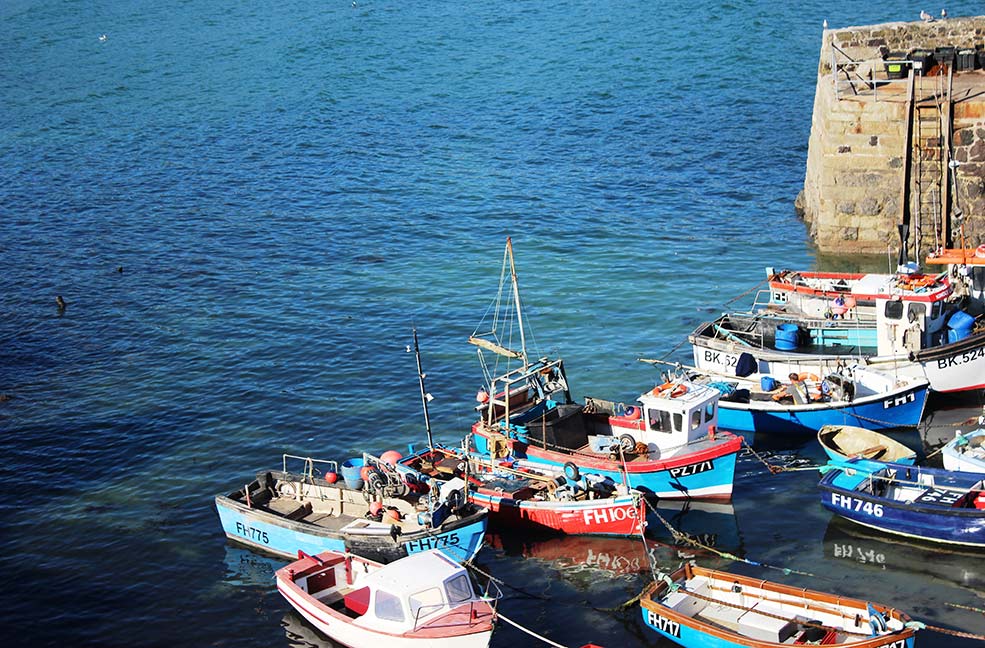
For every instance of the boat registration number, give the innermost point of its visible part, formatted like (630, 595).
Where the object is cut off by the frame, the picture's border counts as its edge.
(663, 624)
(432, 542)
(692, 469)
(963, 358)
(256, 535)
(852, 504)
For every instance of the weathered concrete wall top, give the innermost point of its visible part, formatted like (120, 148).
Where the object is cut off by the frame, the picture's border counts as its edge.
(859, 155)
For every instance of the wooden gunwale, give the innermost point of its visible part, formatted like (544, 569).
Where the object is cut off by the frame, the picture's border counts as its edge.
(657, 588)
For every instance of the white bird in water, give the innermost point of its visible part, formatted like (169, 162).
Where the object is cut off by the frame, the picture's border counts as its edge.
(926, 17)
(102, 38)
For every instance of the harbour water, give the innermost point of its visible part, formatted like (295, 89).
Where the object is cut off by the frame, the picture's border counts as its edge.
(247, 207)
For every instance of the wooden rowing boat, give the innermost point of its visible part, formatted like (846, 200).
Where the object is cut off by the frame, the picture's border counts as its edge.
(697, 607)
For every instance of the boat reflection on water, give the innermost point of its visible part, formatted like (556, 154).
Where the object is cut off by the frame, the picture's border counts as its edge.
(301, 634)
(872, 550)
(710, 524)
(245, 568)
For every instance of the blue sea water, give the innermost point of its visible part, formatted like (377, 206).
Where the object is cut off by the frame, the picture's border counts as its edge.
(248, 206)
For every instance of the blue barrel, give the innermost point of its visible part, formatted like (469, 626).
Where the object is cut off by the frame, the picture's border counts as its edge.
(954, 335)
(787, 337)
(351, 469)
(768, 383)
(960, 321)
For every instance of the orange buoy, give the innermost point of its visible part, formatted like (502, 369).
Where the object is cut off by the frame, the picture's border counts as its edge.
(391, 457)
(365, 472)
(392, 514)
(331, 477)
(482, 396)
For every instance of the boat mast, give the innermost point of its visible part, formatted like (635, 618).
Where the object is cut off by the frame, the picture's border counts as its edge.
(516, 300)
(424, 394)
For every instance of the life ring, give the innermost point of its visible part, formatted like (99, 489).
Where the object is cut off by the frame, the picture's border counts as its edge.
(680, 390)
(286, 489)
(980, 251)
(659, 388)
(571, 471)
(627, 442)
(807, 376)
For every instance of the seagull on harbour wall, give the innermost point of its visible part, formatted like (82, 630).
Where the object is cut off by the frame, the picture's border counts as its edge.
(825, 23)
(926, 17)
(943, 14)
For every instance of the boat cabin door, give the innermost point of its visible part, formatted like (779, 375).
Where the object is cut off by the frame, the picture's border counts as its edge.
(901, 326)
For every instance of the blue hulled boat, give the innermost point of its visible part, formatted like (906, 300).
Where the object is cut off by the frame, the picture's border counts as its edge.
(665, 445)
(383, 518)
(925, 503)
(863, 398)
(704, 608)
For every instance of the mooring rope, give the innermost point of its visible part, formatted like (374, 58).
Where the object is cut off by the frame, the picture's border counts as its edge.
(684, 537)
(499, 581)
(529, 631)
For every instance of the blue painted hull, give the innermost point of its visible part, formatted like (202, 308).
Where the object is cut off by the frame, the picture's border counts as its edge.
(704, 474)
(694, 638)
(875, 413)
(282, 537)
(952, 520)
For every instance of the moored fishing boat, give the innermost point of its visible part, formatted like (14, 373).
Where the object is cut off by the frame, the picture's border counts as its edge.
(918, 502)
(420, 601)
(846, 441)
(667, 446)
(966, 451)
(698, 607)
(521, 494)
(849, 295)
(283, 512)
(940, 343)
(767, 404)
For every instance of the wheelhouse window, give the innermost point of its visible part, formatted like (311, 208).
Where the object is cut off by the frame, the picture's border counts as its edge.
(388, 606)
(914, 311)
(894, 309)
(459, 589)
(660, 421)
(709, 411)
(425, 602)
(696, 419)
(935, 310)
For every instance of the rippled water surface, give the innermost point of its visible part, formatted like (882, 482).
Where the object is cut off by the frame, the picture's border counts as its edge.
(248, 206)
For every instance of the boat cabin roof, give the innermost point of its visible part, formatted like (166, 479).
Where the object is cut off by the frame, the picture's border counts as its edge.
(696, 396)
(411, 574)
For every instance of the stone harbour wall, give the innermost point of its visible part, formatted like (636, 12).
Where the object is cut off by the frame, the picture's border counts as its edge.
(853, 185)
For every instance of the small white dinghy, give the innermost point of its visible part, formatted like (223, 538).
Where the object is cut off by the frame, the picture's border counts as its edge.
(845, 441)
(423, 600)
(966, 452)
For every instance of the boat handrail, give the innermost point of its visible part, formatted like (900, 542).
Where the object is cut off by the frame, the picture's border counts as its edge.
(485, 597)
(308, 471)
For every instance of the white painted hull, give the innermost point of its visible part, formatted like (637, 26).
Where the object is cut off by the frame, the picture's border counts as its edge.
(345, 631)
(960, 370)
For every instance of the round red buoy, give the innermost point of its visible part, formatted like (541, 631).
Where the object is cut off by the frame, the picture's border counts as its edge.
(393, 514)
(482, 396)
(331, 477)
(375, 507)
(391, 457)
(365, 472)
